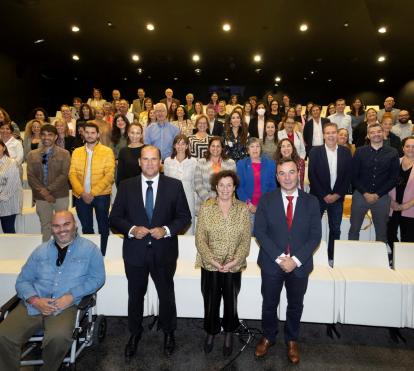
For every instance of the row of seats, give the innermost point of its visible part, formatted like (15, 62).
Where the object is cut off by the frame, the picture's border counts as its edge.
(361, 289)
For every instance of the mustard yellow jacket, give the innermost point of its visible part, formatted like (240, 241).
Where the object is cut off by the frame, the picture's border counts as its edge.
(102, 170)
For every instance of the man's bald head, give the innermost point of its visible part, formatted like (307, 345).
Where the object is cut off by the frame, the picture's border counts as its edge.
(63, 227)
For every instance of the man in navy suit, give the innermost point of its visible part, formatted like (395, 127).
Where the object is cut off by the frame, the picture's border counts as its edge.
(150, 210)
(330, 175)
(288, 229)
(313, 130)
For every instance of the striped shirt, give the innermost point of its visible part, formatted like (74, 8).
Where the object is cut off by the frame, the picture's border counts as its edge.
(11, 194)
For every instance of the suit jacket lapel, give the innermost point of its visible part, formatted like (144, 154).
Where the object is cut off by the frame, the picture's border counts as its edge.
(158, 200)
(140, 200)
(280, 209)
(325, 163)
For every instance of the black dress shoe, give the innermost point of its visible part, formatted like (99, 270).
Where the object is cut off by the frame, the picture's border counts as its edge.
(228, 344)
(131, 347)
(169, 343)
(208, 343)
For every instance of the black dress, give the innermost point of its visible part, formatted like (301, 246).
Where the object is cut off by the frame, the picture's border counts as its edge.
(128, 166)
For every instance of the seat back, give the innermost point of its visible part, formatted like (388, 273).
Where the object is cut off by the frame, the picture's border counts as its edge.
(403, 255)
(360, 254)
(320, 255)
(18, 246)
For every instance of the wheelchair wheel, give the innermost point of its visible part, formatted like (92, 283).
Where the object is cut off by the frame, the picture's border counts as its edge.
(99, 330)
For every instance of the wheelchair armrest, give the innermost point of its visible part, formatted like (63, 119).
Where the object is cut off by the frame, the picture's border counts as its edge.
(87, 301)
(9, 306)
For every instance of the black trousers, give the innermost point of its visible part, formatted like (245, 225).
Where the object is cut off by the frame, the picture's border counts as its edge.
(163, 277)
(214, 286)
(295, 291)
(406, 229)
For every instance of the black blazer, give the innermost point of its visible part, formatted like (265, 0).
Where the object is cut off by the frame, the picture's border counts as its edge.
(308, 133)
(319, 176)
(273, 235)
(170, 209)
(253, 127)
(218, 128)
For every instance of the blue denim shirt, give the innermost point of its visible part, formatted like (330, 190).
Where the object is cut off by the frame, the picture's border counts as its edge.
(161, 136)
(82, 272)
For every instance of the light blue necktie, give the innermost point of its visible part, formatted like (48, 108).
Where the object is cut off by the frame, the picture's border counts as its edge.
(149, 200)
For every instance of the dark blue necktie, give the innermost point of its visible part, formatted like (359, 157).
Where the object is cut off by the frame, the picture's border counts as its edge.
(149, 200)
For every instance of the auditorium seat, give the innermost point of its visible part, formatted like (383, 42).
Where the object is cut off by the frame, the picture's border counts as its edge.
(373, 291)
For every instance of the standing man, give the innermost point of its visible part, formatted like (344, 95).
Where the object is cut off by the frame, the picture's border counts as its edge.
(403, 127)
(150, 210)
(169, 99)
(123, 110)
(330, 176)
(341, 119)
(57, 275)
(138, 104)
(162, 133)
(313, 130)
(288, 228)
(375, 170)
(92, 174)
(47, 174)
(389, 107)
(215, 127)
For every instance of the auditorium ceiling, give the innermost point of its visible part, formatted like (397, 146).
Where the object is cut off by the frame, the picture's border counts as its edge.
(342, 42)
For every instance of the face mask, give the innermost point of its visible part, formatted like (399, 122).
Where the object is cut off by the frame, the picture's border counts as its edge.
(261, 111)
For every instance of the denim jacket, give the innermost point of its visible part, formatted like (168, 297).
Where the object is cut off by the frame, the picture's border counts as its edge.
(82, 272)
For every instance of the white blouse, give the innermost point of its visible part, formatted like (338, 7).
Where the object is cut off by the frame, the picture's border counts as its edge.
(11, 193)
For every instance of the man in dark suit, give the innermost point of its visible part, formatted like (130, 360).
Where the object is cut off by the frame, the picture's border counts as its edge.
(313, 130)
(169, 99)
(215, 127)
(288, 229)
(150, 210)
(330, 175)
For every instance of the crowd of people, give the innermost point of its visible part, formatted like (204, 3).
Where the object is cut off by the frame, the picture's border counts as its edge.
(224, 172)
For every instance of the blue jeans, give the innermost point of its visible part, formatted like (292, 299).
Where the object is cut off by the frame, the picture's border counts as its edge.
(85, 213)
(335, 211)
(7, 223)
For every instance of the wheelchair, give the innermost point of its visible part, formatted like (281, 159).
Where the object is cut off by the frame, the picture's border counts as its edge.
(89, 331)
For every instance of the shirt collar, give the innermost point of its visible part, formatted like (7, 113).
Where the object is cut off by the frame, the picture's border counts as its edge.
(155, 179)
(294, 194)
(328, 149)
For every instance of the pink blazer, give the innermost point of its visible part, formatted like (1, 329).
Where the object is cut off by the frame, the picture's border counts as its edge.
(408, 195)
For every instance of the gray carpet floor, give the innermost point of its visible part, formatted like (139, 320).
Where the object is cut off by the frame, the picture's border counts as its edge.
(359, 348)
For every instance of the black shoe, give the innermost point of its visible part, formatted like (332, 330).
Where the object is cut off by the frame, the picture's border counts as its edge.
(169, 343)
(228, 344)
(208, 343)
(131, 347)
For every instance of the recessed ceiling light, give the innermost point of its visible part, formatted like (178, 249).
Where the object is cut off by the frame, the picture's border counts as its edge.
(75, 29)
(39, 41)
(110, 24)
(196, 58)
(226, 27)
(125, 78)
(276, 84)
(312, 72)
(257, 58)
(329, 80)
(175, 78)
(381, 80)
(381, 58)
(346, 24)
(226, 79)
(149, 77)
(140, 71)
(75, 78)
(303, 27)
(75, 57)
(305, 78)
(150, 27)
(197, 71)
(277, 79)
(135, 57)
(258, 70)
(382, 29)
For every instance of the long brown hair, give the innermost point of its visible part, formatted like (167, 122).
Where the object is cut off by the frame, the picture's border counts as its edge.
(278, 154)
(177, 140)
(242, 131)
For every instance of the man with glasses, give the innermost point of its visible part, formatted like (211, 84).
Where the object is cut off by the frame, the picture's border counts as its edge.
(389, 107)
(47, 174)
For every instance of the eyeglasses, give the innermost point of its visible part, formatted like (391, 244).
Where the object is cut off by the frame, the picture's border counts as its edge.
(44, 159)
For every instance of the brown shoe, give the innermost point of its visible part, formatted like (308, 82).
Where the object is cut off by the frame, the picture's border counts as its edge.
(293, 352)
(262, 347)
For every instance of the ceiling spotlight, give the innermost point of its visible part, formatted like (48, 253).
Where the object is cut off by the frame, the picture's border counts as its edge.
(75, 57)
(257, 58)
(175, 78)
(196, 58)
(305, 78)
(135, 57)
(303, 27)
(75, 78)
(75, 29)
(197, 71)
(277, 79)
(149, 77)
(226, 27)
(381, 80)
(346, 24)
(150, 27)
(140, 71)
(276, 84)
(312, 72)
(329, 80)
(109, 24)
(226, 79)
(258, 70)
(382, 29)
(381, 58)
(39, 41)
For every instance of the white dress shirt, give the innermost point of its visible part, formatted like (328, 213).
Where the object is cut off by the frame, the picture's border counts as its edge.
(295, 195)
(343, 122)
(317, 139)
(87, 183)
(333, 163)
(260, 126)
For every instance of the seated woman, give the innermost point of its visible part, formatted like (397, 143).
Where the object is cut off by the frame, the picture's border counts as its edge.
(128, 165)
(41, 115)
(390, 139)
(269, 142)
(257, 176)
(359, 134)
(223, 242)
(14, 146)
(214, 161)
(11, 194)
(96, 101)
(285, 149)
(31, 136)
(199, 141)
(182, 166)
(293, 135)
(235, 137)
(5, 118)
(119, 136)
(171, 111)
(198, 110)
(343, 140)
(144, 118)
(64, 140)
(182, 122)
